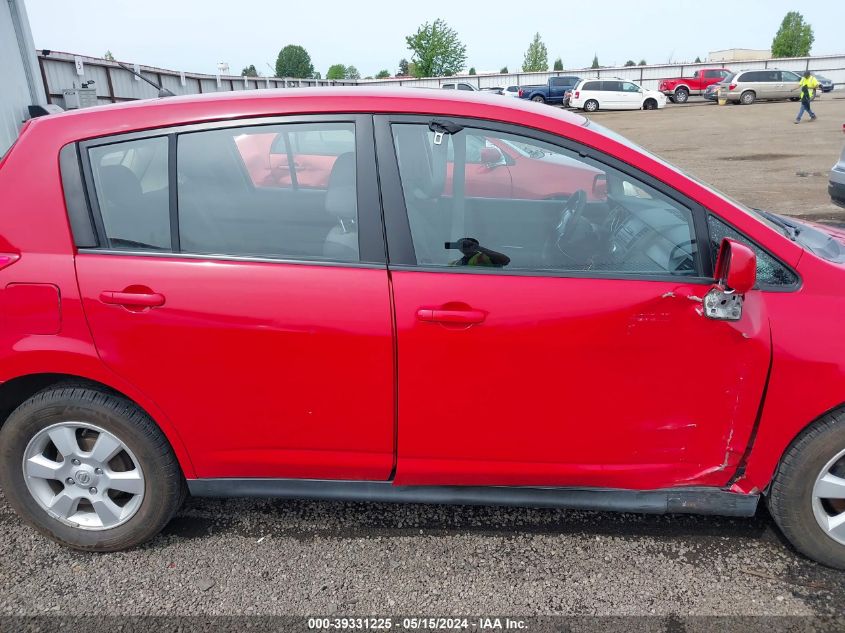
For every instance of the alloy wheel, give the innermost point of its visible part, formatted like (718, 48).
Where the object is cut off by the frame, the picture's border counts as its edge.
(83, 476)
(829, 498)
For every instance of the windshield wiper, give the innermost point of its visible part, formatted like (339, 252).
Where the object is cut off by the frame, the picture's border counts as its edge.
(790, 229)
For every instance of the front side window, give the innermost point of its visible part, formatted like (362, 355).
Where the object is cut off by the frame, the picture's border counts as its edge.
(627, 86)
(131, 184)
(280, 191)
(541, 208)
(770, 272)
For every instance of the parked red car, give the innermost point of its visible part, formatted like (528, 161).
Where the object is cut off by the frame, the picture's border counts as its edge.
(679, 89)
(172, 324)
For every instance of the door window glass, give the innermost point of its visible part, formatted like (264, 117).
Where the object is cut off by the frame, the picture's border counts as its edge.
(613, 86)
(131, 183)
(282, 191)
(770, 272)
(627, 86)
(541, 208)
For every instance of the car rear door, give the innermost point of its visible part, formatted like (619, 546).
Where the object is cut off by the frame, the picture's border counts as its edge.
(257, 317)
(532, 352)
(612, 95)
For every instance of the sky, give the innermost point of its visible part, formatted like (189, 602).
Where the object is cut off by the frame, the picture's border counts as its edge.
(194, 35)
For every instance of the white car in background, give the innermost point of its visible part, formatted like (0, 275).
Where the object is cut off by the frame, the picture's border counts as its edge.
(614, 94)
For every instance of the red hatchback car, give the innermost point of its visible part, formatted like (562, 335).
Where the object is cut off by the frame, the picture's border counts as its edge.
(430, 322)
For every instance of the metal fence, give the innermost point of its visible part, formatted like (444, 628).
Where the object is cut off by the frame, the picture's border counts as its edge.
(831, 66)
(111, 83)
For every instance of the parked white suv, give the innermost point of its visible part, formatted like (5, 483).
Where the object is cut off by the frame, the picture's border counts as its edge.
(614, 94)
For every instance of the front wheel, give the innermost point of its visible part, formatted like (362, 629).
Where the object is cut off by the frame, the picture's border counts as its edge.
(650, 104)
(591, 106)
(807, 496)
(89, 469)
(538, 99)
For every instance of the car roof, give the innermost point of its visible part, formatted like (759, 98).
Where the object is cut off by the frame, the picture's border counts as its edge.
(181, 110)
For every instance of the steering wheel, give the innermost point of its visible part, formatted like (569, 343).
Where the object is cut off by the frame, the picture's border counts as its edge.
(562, 248)
(570, 216)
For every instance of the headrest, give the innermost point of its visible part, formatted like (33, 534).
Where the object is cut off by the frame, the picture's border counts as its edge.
(341, 196)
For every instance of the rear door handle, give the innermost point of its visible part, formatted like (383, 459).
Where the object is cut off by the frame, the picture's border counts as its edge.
(451, 316)
(132, 299)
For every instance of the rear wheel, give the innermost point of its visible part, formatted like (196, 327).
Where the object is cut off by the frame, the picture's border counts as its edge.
(650, 104)
(591, 105)
(681, 95)
(538, 99)
(89, 469)
(807, 497)
(747, 97)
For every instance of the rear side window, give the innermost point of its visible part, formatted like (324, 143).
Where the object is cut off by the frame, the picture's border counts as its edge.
(591, 85)
(131, 183)
(751, 76)
(281, 191)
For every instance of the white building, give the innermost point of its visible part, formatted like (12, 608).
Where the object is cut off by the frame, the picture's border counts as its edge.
(739, 55)
(20, 77)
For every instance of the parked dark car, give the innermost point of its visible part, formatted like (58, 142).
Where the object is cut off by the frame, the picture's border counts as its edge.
(553, 92)
(826, 84)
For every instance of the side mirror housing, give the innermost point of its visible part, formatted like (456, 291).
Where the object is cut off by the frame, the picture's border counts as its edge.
(735, 275)
(736, 267)
(491, 156)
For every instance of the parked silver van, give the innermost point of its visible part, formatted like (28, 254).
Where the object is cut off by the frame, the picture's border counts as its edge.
(748, 86)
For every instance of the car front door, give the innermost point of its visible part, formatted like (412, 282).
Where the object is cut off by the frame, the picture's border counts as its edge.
(631, 96)
(257, 317)
(559, 342)
(790, 84)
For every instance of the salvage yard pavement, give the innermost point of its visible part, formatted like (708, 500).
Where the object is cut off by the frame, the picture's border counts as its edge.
(263, 557)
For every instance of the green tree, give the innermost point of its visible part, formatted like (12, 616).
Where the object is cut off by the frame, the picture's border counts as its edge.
(503, 70)
(352, 73)
(558, 64)
(403, 68)
(294, 61)
(794, 37)
(437, 50)
(383, 74)
(536, 57)
(697, 60)
(472, 70)
(595, 62)
(317, 75)
(336, 71)
(249, 71)
(642, 63)
(107, 55)
(630, 62)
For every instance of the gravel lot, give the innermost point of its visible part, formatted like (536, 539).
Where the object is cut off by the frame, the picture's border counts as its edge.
(318, 558)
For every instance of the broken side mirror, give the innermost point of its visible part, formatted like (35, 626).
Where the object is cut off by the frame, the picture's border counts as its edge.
(735, 275)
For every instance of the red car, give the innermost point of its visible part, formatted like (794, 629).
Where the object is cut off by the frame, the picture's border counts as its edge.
(679, 89)
(620, 337)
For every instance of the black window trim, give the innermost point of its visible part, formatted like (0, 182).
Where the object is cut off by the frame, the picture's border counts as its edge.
(371, 241)
(397, 226)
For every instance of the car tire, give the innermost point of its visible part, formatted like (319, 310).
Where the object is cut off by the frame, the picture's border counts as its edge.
(797, 497)
(650, 104)
(119, 498)
(538, 99)
(591, 105)
(747, 97)
(681, 95)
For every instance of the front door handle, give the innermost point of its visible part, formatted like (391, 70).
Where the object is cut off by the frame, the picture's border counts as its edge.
(132, 299)
(451, 316)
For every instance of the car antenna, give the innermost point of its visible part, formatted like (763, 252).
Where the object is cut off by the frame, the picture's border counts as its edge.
(162, 92)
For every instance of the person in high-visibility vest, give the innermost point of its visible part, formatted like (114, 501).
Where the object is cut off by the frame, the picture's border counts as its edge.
(808, 86)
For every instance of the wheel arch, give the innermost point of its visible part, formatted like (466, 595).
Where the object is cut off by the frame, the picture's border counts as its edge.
(763, 466)
(17, 390)
(679, 86)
